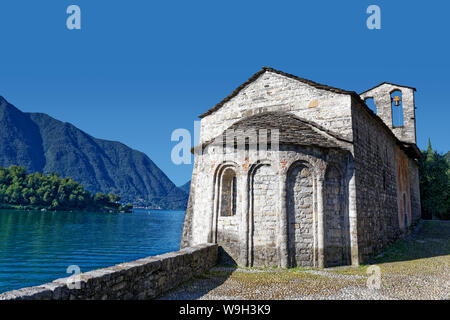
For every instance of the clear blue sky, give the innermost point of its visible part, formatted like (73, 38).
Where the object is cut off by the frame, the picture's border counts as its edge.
(137, 70)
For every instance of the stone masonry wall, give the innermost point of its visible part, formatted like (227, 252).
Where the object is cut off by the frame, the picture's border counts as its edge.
(274, 92)
(376, 171)
(337, 240)
(376, 195)
(252, 236)
(403, 190)
(186, 234)
(265, 217)
(299, 200)
(146, 278)
(228, 239)
(270, 92)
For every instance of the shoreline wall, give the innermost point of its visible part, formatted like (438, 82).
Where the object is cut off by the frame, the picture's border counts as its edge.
(146, 278)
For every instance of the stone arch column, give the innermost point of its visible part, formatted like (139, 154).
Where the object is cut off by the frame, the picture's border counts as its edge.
(350, 181)
(244, 230)
(320, 222)
(283, 224)
(229, 239)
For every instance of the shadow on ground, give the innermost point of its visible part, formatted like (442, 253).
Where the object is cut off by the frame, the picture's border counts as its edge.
(407, 274)
(199, 286)
(430, 239)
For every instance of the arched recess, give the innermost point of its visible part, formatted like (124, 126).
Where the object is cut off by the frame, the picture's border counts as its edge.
(228, 193)
(299, 205)
(397, 108)
(225, 225)
(336, 220)
(263, 217)
(371, 104)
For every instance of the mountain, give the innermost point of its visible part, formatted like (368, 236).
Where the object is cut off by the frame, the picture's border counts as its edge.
(44, 144)
(186, 187)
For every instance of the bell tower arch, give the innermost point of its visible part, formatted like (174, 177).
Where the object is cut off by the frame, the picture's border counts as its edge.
(395, 106)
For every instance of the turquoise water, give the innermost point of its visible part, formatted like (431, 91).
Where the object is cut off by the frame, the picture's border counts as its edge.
(37, 247)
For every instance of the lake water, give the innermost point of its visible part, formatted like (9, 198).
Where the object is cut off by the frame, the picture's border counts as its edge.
(37, 247)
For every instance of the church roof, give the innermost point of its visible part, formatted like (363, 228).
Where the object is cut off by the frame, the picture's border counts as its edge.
(392, 84)
(411, 149)
(292, 129)
(265, 69)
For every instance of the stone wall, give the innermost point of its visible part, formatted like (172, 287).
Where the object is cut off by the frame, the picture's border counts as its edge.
(376, 194)
(403, 190)
(146, 278)
(264, 227)
(270, 92)
(274, 92)
(299, 200)
(337, 229)
(186, 234)
(256, 233)
(378, 172)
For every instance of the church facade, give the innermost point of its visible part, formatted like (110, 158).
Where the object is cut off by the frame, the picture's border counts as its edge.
(293, 173)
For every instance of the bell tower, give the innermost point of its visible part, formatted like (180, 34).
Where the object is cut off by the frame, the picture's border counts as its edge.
(395, 106)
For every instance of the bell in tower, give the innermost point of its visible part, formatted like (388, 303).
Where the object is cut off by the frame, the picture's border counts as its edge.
(397, 101)
(395, 106)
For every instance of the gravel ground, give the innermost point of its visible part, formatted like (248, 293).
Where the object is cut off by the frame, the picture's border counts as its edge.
(417, 267)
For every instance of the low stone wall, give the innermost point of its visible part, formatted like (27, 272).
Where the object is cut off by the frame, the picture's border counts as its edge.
(146, 278)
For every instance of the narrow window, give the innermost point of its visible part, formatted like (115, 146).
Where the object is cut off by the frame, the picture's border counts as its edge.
(397, 108)
(228, 193)
(371, 104)
(247, 146)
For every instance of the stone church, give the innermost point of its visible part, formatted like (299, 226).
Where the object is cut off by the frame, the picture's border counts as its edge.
(292, 173)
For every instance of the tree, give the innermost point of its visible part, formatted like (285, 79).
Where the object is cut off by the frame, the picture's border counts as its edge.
(127, 208)
(113, 198)
(101, 198)
(434, 177)
(38, 191)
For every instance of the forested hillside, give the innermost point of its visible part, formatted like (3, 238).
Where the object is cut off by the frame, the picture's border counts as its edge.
(46, 145)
